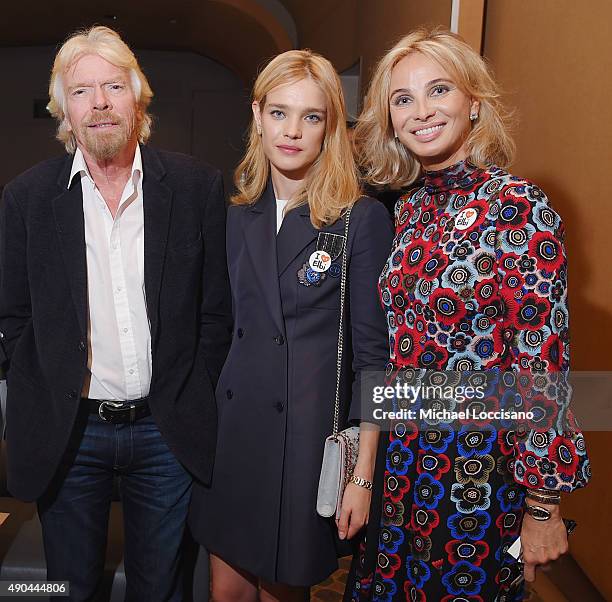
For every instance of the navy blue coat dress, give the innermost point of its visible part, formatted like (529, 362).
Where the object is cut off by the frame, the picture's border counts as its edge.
(275, 395)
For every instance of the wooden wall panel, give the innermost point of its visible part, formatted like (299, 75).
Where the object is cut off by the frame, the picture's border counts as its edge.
(554, 59)
(330, 30)
(382, 23)
(470, 21)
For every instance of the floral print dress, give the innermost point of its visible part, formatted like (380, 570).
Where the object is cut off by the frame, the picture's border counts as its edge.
(476, 279)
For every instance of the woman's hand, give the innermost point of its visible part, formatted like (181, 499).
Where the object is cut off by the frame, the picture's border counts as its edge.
(542, 541)
(355, 510)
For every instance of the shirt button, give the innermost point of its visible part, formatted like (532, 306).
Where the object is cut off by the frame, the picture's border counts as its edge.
(125, 330)
(118, 289)
(229, 394)
(240, 333)
(131, 371)
(279, 406)
(279, 339)
(82, 346)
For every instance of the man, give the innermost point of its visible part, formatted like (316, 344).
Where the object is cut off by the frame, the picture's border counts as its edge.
(115, 317)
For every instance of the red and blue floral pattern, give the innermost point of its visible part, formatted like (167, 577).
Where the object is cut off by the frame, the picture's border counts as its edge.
(464, 295)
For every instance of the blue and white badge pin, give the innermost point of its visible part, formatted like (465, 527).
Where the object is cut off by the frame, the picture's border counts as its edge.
(320, 261)
(308, 277)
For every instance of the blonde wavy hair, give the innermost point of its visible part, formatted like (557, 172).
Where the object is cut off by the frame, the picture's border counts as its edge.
(331, 184)
(106, 43)
(384, 160)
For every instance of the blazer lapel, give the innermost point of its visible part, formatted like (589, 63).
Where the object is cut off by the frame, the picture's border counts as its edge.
(157, 208)
(296, 233)
(260, 240)
(70, 226)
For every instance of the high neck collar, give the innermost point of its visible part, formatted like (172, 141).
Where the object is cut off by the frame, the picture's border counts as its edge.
(460, 175)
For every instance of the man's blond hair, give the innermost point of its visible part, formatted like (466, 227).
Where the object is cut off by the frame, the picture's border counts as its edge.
(106, 43)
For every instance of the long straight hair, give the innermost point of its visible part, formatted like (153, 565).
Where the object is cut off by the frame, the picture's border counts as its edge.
(331, 184)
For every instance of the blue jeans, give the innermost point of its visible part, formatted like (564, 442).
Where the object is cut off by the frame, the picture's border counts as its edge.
(155, 492)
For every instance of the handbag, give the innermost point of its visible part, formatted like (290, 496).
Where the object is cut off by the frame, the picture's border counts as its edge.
(341, 447)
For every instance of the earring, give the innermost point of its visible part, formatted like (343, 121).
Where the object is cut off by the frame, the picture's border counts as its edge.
(395, 135)
(258, 130)
(473, 116)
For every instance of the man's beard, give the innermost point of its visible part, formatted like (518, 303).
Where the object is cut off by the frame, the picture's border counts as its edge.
(105, 145)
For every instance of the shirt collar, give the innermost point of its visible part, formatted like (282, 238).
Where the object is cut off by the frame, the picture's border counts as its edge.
(79, 166)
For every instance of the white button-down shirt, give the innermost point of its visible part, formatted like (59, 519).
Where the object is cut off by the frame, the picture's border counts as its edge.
(119, 333)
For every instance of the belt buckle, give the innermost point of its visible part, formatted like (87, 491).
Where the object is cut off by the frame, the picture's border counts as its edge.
(110, 404)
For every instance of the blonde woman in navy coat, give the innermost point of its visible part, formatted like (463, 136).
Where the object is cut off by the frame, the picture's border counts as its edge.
(276, 392)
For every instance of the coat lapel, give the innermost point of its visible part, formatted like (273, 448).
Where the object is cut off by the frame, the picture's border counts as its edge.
(70, 226)
(157, 208)
(296, 233)
(260, 240)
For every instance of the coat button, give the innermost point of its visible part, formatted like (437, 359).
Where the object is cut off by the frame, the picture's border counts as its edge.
(279, 339)
(71, 394)
(229, 394)
(280, 406)
(240, 333)
(82, 346)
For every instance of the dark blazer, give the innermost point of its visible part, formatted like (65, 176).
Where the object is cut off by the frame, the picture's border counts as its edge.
(276, 392)
(43, 310)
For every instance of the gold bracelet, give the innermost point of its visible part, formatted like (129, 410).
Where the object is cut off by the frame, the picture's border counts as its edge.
(544, 492)
(361, 482)
(544, 496)
(543, 499)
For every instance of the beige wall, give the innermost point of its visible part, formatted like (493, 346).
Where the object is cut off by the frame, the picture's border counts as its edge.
(470, 22)
(554, 59)
(383, 22)
(345, 30)
(331, 29)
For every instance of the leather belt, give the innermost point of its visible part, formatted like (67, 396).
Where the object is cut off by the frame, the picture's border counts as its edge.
(113, 411)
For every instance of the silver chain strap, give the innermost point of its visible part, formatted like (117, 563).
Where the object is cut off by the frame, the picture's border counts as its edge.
(347, 216)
